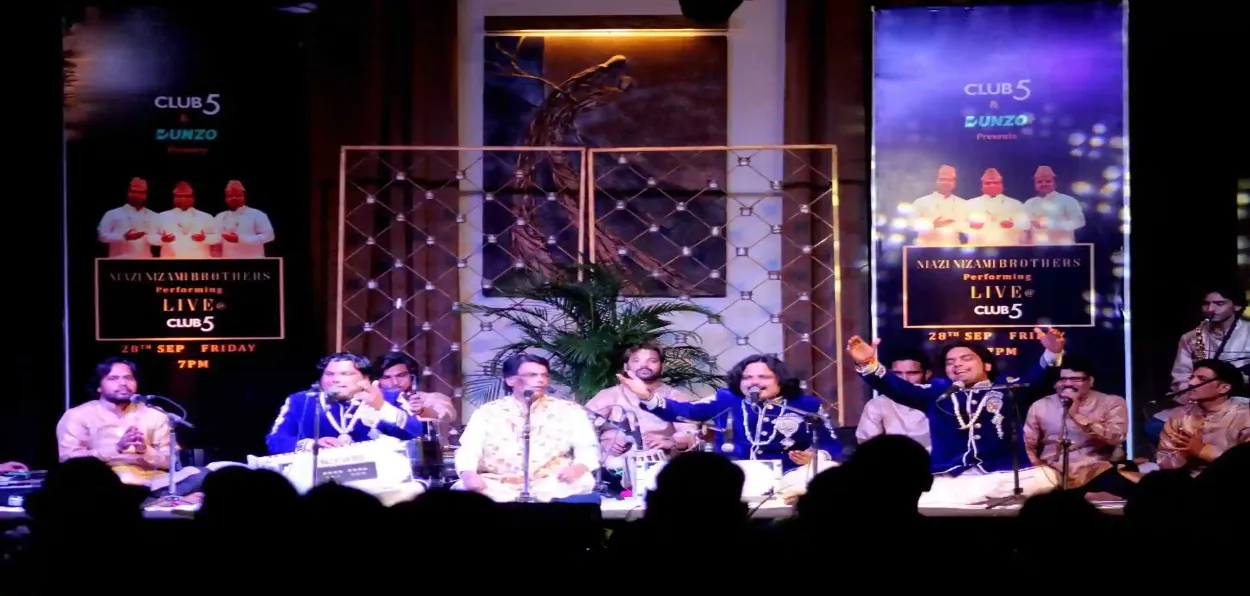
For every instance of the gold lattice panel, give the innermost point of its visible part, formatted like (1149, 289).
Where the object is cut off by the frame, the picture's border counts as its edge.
(427, 229)
(748, 232)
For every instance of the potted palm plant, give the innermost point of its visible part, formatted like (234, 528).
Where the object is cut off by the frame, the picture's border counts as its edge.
(580, 321)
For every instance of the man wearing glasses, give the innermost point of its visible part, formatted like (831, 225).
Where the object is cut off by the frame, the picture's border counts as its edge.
(1096, 424)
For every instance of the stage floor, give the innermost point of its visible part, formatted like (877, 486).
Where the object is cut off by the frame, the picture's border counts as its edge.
(628, 509)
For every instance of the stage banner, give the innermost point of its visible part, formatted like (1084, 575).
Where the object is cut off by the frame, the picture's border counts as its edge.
(1000, 180)
(185, 168)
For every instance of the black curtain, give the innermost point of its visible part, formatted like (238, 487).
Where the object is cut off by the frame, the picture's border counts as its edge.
(33, 343)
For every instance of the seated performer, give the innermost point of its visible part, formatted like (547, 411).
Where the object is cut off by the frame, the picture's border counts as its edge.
(564, 450)
(1223, 334)
(131, 438)
(966, 445)
(644, 433)
(398, 372)
(753, 407)
(1096, 426)
(355, 409)
(1212, 423)
(884, 416)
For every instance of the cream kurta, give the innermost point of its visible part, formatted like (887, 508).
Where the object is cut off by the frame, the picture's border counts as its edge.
(926, 210)
(184, 224)
(884, 416)
(253, 229)
(1222, 429)
(561, 435)
(620, 405)
(990, 213)
(114, 225)
(94, 428)
(1054, 218)
(1094, 445)
(1236, 351)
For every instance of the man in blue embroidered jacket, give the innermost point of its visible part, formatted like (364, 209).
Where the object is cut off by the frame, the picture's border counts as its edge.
(967, 425)
(353, 408)
(753, 411)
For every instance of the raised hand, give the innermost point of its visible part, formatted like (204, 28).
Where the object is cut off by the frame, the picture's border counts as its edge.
(369, 394)
(1051, 339)
(634, 384)
(861, 351)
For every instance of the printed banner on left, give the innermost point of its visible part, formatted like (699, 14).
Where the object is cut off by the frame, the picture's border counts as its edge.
(189, 299)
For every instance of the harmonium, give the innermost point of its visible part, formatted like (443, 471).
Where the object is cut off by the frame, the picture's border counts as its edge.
(15, 486)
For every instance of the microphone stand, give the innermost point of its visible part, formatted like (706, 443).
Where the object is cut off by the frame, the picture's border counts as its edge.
(319, 410)
(171, 497)
(1013, 427)
(599, 421)
(1065, 444)
(525, 496)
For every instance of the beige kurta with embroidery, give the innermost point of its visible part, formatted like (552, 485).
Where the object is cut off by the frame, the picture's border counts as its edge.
(1094, 446)
(94, 428)
(561, 435)
(1222, 429)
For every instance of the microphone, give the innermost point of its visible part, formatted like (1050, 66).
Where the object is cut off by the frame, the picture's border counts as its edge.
(529, 394)
(753, 393)
(176, 418)
(955, 387)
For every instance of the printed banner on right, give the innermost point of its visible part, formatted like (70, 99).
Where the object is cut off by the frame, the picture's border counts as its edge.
(1000, 180)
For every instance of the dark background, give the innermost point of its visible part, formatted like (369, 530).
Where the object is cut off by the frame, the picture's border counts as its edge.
(1184, 162)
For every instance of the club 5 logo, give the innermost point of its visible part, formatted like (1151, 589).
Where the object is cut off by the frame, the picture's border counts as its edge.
(208, 105)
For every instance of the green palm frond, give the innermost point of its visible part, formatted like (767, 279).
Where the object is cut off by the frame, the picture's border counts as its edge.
(578, 319)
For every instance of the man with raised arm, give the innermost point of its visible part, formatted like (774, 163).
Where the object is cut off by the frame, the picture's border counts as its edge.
(755, 408)
(973, 446)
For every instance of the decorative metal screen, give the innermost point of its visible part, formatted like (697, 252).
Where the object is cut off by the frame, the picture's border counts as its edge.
(426, 229)
(748, 232)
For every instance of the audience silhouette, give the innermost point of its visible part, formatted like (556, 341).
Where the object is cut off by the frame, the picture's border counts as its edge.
(862, 516)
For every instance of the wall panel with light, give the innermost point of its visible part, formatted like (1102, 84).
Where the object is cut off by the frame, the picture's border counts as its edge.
(693, 86)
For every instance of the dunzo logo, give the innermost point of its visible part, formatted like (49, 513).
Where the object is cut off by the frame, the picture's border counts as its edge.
(994, 121)
(186, 134)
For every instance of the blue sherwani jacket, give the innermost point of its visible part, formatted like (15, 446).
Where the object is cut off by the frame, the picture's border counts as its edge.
(296, 422)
